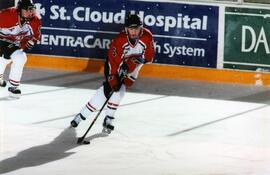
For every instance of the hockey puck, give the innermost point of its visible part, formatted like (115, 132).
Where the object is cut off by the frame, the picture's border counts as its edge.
(86, 142)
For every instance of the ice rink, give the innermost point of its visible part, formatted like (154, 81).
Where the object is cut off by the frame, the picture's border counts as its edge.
(163, 127)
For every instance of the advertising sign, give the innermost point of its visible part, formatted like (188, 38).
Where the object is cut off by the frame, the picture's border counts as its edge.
(247, 36)
(184, 34)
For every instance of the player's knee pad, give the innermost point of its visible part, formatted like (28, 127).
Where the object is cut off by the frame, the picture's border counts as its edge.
(19, 57)
(118, 96)
(122, 91)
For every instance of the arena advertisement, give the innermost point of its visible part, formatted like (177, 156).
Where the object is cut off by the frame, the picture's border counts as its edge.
(184, 34)
(246, 44)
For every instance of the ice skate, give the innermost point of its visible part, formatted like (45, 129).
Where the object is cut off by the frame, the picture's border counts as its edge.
(77, 119)
(107, 125)
(3, 83)
(14, 92)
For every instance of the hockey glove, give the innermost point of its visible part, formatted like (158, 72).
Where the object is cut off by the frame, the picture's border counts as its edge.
(114, 82)
(123, 70)
(132, 62)
(27, 43)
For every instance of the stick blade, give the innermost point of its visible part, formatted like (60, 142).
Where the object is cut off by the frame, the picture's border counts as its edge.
(80, 139)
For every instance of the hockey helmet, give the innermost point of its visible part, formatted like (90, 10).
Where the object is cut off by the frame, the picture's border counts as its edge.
(26, 5)
(133, 21)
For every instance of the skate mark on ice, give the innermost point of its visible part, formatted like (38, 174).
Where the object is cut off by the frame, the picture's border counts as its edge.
(61, 76)
(64, 86)
(54, 119)
(69, 116)
(216, 121)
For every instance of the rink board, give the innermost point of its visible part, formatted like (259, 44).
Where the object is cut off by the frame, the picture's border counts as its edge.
(154, 70)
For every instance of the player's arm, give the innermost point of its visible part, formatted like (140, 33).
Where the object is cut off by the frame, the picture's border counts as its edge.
(4, 15)
(114, 61)
(29, 42)
(37, 29)
(150, 49)
(114, 56)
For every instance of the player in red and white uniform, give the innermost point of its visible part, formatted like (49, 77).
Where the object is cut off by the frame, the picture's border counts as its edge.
(128, 52)
(19, 31)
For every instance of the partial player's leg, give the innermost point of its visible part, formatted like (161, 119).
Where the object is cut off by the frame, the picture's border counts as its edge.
(78, 118)
(107, 124)
(94, 104)
(6, 49)
(112, 106)
(18, 61)
(3, 64)
(2, 81)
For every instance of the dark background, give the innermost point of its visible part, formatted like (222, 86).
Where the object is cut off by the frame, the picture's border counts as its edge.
(6, 3)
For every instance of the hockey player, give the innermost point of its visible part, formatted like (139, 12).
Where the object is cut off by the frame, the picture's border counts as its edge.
(131, 48)
(19, 31)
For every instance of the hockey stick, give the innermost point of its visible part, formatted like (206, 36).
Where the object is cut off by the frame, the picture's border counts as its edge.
(80, 139)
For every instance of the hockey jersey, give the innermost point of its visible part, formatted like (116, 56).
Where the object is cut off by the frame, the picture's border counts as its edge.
(121, 49)
(11, 29)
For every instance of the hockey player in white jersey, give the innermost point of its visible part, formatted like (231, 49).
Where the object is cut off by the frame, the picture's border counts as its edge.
(19, 31)
(129, 50)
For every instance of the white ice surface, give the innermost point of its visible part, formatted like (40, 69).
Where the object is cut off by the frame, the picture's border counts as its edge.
(154, 135)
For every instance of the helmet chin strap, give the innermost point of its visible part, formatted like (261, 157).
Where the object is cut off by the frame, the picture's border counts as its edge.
(27, 19)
